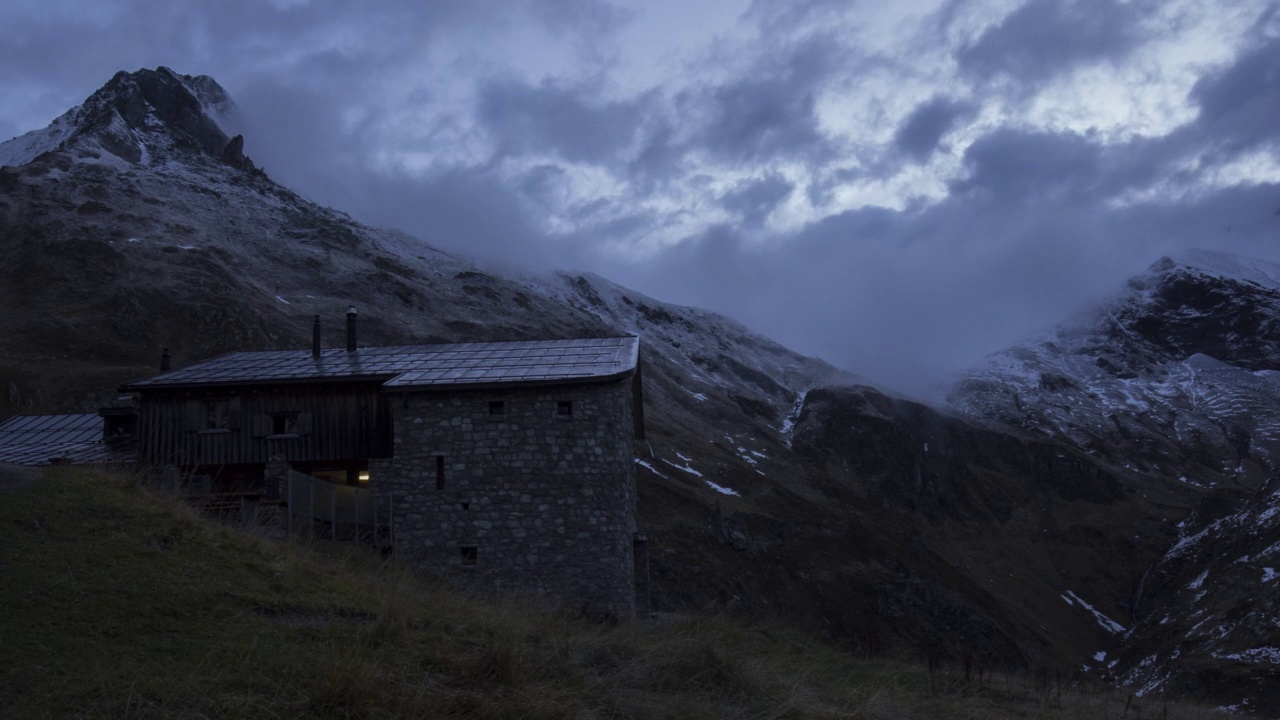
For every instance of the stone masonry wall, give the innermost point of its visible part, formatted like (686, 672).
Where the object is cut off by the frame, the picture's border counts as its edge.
(531, 500)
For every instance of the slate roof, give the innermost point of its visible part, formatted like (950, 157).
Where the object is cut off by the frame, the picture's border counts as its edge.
(33, 429)
(417, 366)
(42, 439)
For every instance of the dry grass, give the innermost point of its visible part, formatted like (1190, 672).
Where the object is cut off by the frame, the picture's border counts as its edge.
(123, 604)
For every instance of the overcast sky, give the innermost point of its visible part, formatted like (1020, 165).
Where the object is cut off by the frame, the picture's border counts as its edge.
(898, 187)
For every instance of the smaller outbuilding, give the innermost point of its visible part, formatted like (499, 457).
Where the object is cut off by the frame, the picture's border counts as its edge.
(72, 439)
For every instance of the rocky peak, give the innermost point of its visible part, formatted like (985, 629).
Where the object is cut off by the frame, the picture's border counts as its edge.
(1224, 306)
(142, 117)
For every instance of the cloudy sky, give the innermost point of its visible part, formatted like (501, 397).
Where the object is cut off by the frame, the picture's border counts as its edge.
(899, 187)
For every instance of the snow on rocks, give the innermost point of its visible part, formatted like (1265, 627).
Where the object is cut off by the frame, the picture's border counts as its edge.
(1105, 622)
(722, 489)
(789, 422)
(685, 468)
(650, 468)
(1268, 655)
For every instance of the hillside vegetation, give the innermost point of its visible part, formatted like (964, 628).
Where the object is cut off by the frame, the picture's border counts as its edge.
(122, 603)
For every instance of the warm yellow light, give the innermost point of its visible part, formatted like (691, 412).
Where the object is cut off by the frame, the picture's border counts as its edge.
(364, 476)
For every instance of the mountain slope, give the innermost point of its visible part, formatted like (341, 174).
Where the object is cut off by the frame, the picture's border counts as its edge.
(1177, 378)
(771, 484)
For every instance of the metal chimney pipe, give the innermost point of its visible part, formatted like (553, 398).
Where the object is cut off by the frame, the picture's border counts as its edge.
(315, 338)
(164, 360)
(351, 328)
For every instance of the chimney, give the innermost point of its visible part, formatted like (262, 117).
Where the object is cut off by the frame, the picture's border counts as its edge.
(164, 360)
(351, 328)
(315, 338)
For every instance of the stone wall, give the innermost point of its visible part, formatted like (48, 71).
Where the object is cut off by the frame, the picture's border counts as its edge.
(527, 496)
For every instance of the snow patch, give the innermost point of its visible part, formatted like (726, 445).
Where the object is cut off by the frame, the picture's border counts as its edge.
(721, 489)
(286, 302)
(685, 468)
(789, 422)
(1268, 655)
(1107, 623)
(27, 147)
(650, 468)
(1198, 582)
(1269, 574)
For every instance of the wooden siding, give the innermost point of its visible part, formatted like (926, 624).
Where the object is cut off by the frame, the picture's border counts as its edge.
(332, 421)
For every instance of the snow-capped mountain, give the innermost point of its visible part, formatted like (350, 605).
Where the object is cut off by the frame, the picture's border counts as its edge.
(141, 118)
(1177, 378)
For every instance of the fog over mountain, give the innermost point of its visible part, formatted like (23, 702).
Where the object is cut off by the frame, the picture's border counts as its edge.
(900, 188)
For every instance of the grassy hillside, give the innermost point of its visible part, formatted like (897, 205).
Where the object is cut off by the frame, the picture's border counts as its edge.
(121, 603)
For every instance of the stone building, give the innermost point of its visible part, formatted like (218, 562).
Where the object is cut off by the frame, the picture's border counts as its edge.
(509, 466)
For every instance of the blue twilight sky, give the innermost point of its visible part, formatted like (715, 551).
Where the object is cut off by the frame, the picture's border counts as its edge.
(899, 187)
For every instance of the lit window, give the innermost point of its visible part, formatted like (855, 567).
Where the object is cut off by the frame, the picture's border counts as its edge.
(363, 476)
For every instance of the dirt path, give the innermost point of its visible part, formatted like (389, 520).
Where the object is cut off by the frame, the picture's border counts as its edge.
(13, 477)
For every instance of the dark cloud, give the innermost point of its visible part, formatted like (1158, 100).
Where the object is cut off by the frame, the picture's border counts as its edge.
(563, 120)
(769, 112)
(1240, 105)
(1045, 38)
(754, 200)
(542, 185)
(1014, 164)
(920, 133)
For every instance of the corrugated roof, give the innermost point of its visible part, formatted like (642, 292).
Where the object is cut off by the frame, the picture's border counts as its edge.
(45, 429)
(411, 366)
(44, 439)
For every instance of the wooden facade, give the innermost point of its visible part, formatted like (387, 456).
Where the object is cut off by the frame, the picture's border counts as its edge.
(327, 412)
(319, 425)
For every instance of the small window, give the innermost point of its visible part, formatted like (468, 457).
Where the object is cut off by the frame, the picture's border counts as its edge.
(439, 472)
(468, 555)
(465, 505)
(497, 409)
(564, 409)
(217, 415)
(284, 424)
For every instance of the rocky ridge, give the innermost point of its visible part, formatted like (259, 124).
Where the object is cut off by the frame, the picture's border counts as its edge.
(1178, 378)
